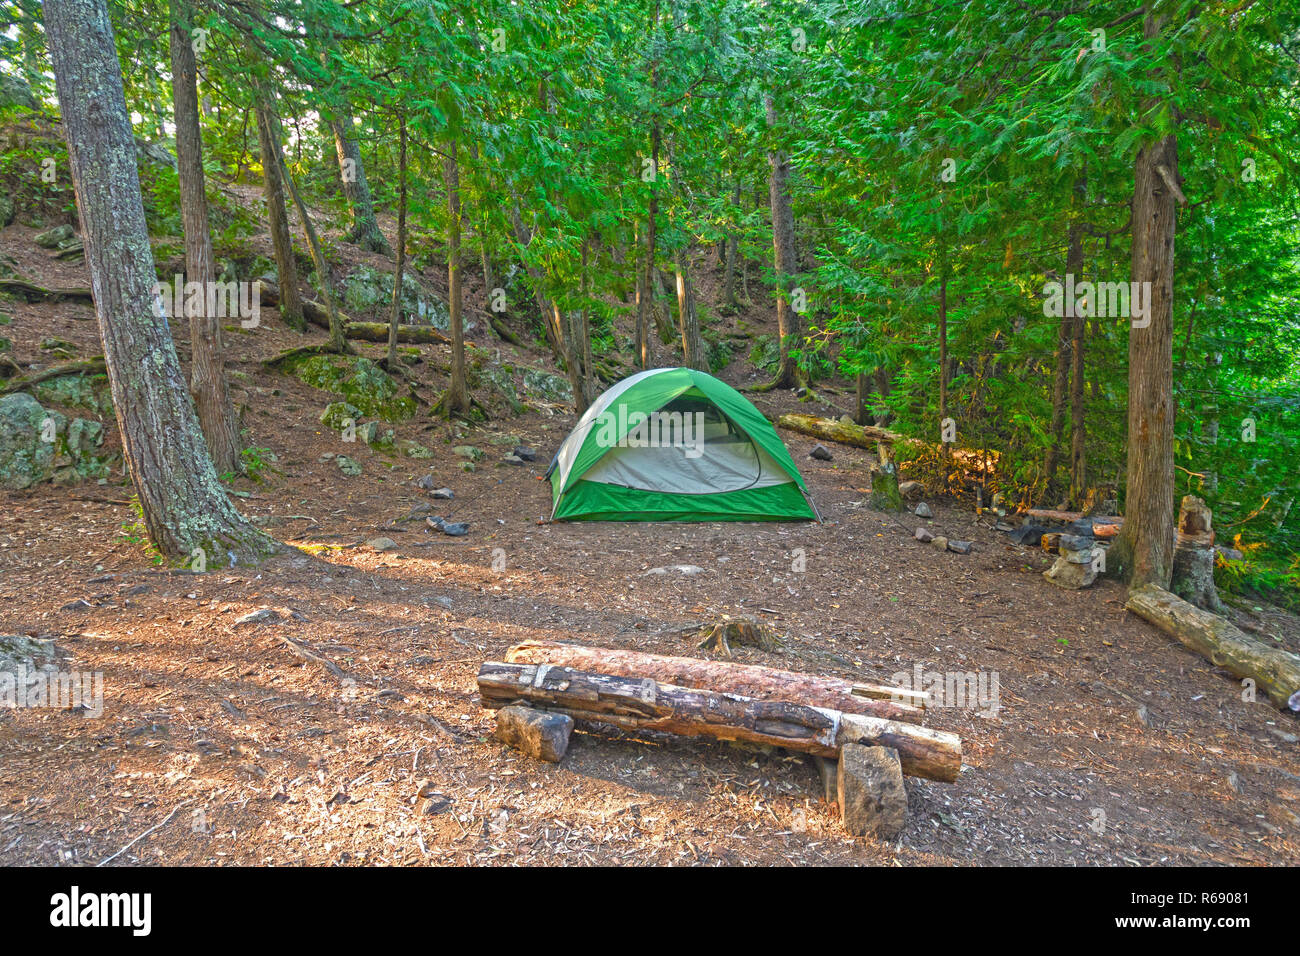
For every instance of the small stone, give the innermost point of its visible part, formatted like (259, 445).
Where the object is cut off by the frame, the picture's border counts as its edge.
(1069, 575)
(1004, 527)
(524, 452)
(468, 452)
(51, 238)
(541, 735)
(873, 799)
(78, 605)
(348, 466)
(1074, 542)
(457, 529)
(382, 544)
(263, 615)
(513, 460)
(924, 535)
(959, 547)
(939, 543)
(1029, 535)
(425, 482)
(923, 511)
(443, 494)
(821, 453)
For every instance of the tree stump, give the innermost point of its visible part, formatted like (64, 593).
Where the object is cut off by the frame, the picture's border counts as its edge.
(884, 488)
(1193, 574)
(744, 631)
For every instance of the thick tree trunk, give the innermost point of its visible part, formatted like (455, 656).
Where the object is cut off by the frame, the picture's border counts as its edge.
(184, 507)
(1276, 672)
(395, 316)
(1146, 543)
(644, 704)
(208, 383)
(749, 680)
(787, 320)
(689, 318)
(286, 266)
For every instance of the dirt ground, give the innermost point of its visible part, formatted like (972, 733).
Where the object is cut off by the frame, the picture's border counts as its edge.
(222, 742)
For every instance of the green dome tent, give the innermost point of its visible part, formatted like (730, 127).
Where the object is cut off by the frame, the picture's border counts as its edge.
(675, 444)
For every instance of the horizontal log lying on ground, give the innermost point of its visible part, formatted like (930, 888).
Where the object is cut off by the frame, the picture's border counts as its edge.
(644, 704)
(1276, 672)
(316, 313)
(830, 429)
(748, 680)
(32, 291)
(90, 366)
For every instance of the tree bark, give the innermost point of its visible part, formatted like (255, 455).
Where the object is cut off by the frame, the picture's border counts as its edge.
(787, 320)
(183, 504)
(748, 680)
(830, 429)
(208, 384)
(395, 316)
(365, 230)
(1146, 543)
(644, 704)
(456, 401)
(286, 266)
(1274, 671)
(688, 318)
(731, 249)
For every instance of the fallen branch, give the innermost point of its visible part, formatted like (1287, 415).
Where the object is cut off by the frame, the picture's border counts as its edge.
(318, 315)
(644, 704)
(1274, 671)
(829, 429)
(153, 829)
(305, 651)
(35, 292)
(90, 366)
(749, 680)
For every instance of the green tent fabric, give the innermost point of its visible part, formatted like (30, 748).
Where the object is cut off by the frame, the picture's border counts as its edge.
(676, 444)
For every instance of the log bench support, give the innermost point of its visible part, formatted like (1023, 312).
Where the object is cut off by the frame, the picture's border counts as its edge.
(869, 787)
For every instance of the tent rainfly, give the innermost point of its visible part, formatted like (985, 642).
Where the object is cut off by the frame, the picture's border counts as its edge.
(675, 444)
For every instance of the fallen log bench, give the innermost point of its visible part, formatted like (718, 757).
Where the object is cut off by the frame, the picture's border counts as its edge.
(748, 680)
(642, 703)
(1275, 671)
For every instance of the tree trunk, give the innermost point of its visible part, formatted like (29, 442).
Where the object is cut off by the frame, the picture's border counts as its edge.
(688, 318)
(338, 335)
(1078, 330)
(208, 384)
(185, 510)
(646, 302)
(731, 249)
(456, 401)
(584, 332)
(365, 230)
(748, 680)
(286, 266)
(1274, 671)
(644, 704)
(395, 316)
(1146, 543)
(1063, 360)
(946, 446)
(787, 320)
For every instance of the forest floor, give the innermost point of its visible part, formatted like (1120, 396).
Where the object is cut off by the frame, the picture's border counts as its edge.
(220, 743)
